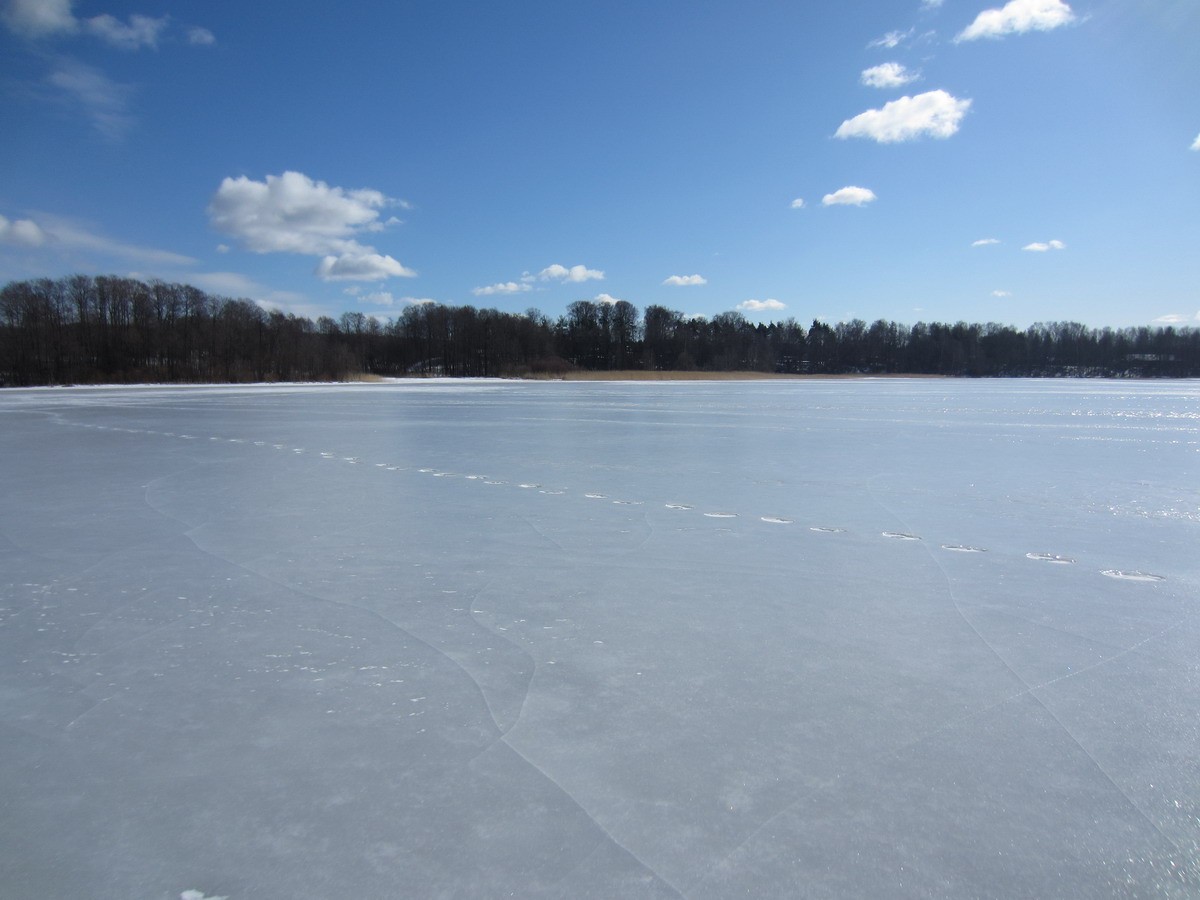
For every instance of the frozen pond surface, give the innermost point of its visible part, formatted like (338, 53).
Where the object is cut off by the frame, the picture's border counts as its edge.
(903, 638)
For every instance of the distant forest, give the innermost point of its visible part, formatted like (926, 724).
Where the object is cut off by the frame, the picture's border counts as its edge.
(83, 329)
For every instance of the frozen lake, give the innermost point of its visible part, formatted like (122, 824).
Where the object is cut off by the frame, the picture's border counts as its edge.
(901, 638)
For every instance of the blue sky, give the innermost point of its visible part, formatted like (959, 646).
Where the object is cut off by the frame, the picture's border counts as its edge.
(956, 160)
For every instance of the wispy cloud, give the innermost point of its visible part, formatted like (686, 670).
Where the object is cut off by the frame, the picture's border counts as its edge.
(849, 196)
(891, 40)
(103, 101)
(984, 242)
(56, 234)
(1001, 294)
(685, 280)
(798, 203)
(292, 213)
(200, 37)
(1018, 17)
(1176, 319)
(389, 300)
(931, 4)
(504, 287)
(1042, 247)
(39, 18)
(934, 114)
(140, 31)
(761, 305)
(887, 75)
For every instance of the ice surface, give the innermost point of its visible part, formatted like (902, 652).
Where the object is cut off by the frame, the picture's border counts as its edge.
(554, 639)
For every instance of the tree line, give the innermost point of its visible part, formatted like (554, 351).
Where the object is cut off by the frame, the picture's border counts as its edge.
(107, 329)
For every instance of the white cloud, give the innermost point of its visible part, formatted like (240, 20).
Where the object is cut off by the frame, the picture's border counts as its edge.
(1001, 293)
(1196, 143)
(222, 248)
(292, 213)
(931, 4)
(761, 305)
(39, 18)
(849, 196)
(385, 298)
(234, 284)
(142, 31)
(228, 283)
(198, 895)
(887, 75)
(102, 100)
(798, 203)
(1040, 247)
(1018, 17)
(934, 113)
(574, 274)
(891, 40)
(1176, 319)
(505, 287)
(200, 37)
(686, 280)
(608, 299)
(62, 234)
(984, 242)
(22, 232)
(361, 265)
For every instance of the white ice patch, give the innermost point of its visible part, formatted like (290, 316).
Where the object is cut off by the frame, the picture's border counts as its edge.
(1051, 558)
(1132, 576)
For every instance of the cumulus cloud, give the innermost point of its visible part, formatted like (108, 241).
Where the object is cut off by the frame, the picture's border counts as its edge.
(887, 75)
(504, 287)
(798, 203)
(1001, 294)
(608, 299)
(102, 100)
(361, 266)
(22, 232)
(761, 305)
(849, 196)
(39, 18)
(1018, 17)
(200, 37)
(891, 40)
(141, 31)
(934, 113)
(984, 242)
(685, 280)
(1196, 143)
(574, 274)
(292, 213)
(1040, 247)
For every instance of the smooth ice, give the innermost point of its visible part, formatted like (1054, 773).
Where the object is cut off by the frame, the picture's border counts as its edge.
(877, 638)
